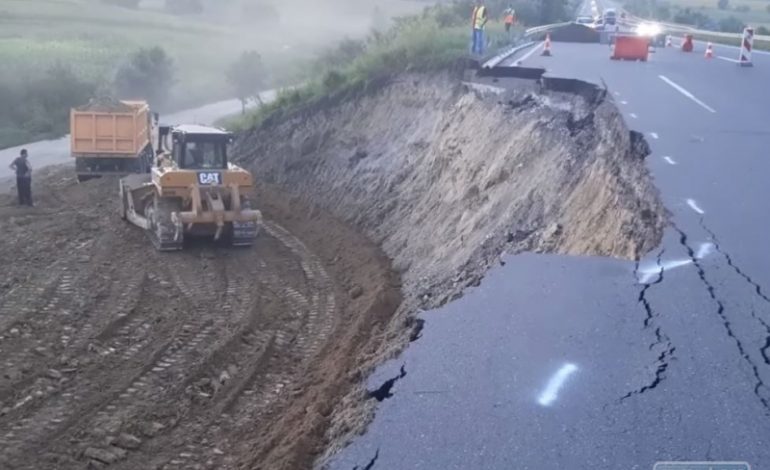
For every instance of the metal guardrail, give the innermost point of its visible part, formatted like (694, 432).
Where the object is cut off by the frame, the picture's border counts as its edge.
(509, 51)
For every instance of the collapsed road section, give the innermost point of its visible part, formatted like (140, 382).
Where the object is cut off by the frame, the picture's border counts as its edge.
(446, 175)
(215, 357)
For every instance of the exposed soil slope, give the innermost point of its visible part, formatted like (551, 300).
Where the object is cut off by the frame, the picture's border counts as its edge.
(444, 177)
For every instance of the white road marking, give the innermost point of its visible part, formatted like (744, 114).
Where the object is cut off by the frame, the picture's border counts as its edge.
(652, 272)
(687, 93)
(633, 115)
(735, 61)
(624, 102)
(669, 160)
(694, 206)
(551, 392)
(617, 93)
(529, 54)
(654, 135)
(704, 250)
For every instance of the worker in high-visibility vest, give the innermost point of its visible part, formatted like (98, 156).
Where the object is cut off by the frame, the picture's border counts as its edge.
(509, 17)
(479, 22)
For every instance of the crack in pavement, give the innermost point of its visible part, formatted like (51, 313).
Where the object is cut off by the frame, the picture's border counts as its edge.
(729, 259)
(384, 391)
(371, 463)
(725, 322)
(664, 358)
(643, 293)
(750, 281)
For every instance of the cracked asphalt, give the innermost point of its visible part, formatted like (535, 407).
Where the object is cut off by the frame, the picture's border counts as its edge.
(669, 356)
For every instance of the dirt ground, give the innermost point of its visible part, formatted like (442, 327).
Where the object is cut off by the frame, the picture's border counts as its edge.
(212, 358)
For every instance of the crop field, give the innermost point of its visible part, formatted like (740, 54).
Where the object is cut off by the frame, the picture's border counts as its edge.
(752, 12)
(92, 39)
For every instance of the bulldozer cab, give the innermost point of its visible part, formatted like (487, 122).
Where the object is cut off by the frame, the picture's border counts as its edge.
(195, 148)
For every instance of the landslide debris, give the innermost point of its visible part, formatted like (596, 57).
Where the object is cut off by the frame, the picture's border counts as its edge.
(446, 176)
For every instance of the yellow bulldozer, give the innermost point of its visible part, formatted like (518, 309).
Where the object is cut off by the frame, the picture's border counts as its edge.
(191, 189)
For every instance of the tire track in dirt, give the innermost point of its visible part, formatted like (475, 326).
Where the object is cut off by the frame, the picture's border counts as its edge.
(200, 295)
(259, 393)
(154, 360)
(75, 308)
(283, 326)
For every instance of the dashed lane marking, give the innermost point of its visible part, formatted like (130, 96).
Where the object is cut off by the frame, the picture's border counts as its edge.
(551, 392)
(686, 93)
(633, 115)
(654, 135)
(694, 206)
(670, 160)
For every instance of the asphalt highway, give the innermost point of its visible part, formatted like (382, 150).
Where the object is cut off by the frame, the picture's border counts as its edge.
(566, 363)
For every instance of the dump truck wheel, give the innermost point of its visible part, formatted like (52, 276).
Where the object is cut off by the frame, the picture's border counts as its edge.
(123, 202)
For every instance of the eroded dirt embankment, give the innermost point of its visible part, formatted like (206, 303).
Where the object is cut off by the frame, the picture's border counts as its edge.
(446, 177)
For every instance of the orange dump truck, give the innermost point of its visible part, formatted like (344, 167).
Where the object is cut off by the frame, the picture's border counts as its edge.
(109, 137)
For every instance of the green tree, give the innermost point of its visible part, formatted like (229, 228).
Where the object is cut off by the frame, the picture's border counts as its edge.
(148, 75)
(552, 11)
(247, 77)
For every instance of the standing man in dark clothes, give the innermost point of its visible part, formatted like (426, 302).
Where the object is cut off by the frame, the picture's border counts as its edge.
(23, 170)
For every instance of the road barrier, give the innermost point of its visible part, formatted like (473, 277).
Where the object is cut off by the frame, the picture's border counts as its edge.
(746, 46)
(547, 46)
(687, 45)
(631, 48)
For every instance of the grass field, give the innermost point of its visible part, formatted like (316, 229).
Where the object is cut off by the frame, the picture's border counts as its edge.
(93, 38)
(756, 15)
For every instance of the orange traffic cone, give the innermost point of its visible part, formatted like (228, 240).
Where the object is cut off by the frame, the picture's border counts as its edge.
(547, 46)
(709, 51)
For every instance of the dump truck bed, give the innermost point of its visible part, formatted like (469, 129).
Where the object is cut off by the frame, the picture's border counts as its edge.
(118, 131)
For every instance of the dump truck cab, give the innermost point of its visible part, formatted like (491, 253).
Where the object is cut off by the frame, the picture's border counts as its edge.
(192, 189)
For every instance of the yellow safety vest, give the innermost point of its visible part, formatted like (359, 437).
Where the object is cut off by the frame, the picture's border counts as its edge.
(479, 17)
